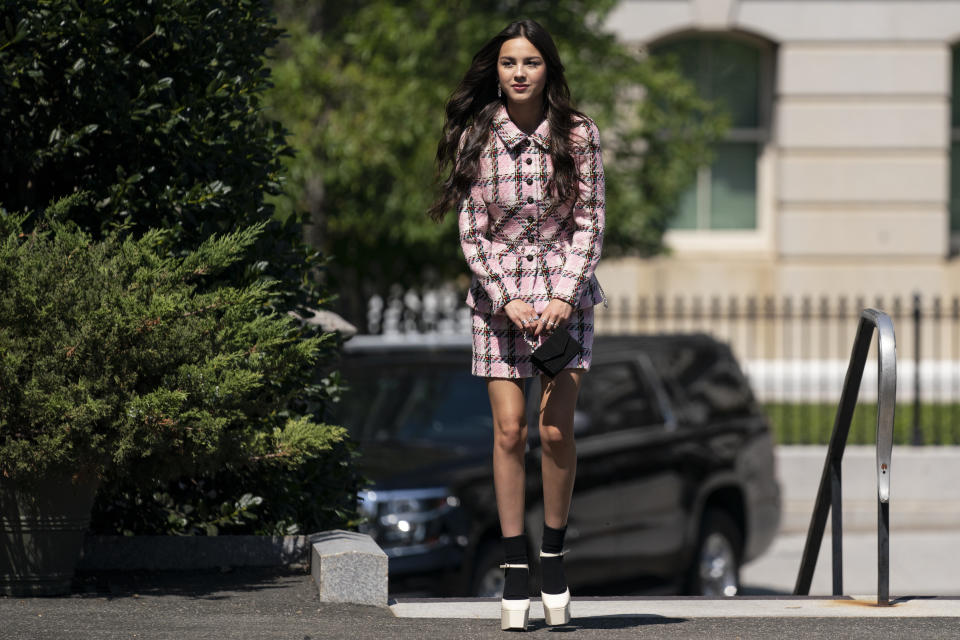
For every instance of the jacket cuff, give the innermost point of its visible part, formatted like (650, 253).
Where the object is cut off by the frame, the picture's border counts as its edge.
(567, 290)
(500, 300)
(571, 300)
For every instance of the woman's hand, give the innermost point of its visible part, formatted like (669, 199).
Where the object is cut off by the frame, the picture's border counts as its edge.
(521, 314)
(554, 316)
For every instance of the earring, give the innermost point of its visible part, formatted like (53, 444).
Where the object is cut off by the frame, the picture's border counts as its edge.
(499, 94)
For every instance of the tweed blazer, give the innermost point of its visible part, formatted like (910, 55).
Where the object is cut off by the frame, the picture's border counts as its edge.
(517, 240)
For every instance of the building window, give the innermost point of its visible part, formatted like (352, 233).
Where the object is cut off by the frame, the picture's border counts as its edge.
(955, 144)
(734, 72)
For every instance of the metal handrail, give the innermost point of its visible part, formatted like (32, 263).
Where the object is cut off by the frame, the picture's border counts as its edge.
(870, 319)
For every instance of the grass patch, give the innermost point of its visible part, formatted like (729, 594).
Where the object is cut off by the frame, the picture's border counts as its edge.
(812, 423)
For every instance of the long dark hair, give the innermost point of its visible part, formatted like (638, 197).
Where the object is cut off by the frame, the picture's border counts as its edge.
(473, 104)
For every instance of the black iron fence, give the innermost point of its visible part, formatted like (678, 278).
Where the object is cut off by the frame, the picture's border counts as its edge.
(794, 350)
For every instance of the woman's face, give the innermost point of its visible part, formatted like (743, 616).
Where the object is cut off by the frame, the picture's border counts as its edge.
(522, 71)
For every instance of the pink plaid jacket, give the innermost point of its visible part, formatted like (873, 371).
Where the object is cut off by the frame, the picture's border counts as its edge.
(518, 242)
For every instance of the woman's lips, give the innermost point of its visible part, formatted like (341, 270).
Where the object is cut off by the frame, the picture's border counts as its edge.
(520, 87)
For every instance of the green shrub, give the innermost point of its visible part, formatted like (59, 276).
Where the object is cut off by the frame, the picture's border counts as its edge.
(269, 496)
(141, 368)
(155, 108)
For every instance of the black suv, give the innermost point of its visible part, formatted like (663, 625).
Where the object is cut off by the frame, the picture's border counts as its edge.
(675, 484)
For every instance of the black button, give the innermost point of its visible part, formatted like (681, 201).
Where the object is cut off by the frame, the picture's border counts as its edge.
(529, 160)
(529, 180)
(529, 218)
(529, 258)
(530, 199)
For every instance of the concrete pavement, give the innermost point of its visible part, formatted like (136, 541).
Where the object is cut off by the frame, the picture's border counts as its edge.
(924, 523)
(270, 603)
(264, 603)
(923, 487)
(921, 563)
(690, 607)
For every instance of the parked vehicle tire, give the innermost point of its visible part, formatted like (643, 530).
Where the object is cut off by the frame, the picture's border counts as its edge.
(487, 579)
(715, 570)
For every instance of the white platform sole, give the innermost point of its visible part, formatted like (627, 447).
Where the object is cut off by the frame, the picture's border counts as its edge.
(556, 607)
(514, 614)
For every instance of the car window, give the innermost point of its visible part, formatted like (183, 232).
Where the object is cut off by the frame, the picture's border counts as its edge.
(440, 404)
(616, 398)
(706, 382)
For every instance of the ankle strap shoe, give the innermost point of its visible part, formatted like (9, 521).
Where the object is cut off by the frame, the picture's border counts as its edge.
(514, 614)
(556, 606)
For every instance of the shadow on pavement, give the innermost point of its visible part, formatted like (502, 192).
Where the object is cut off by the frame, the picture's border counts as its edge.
(615, 621)
(763, 591)
(208, 584)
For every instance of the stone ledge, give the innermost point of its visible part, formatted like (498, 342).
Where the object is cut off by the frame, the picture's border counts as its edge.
(349, 567)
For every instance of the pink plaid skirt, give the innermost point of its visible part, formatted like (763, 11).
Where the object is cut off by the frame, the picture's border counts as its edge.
(499, 350)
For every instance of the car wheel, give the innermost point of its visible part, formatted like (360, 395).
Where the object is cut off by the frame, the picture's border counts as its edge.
(716, 565)
(487, 575)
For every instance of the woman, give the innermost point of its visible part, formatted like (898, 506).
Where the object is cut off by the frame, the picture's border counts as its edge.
(527, 178)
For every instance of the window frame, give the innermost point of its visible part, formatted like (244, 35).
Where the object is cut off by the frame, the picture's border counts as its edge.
(954, 140)
(760, 239)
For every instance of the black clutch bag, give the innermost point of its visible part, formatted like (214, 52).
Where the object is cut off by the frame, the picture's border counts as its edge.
(556, 352)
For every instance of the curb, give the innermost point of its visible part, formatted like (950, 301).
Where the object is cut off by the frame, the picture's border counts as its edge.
(683, 608)
(349, 567)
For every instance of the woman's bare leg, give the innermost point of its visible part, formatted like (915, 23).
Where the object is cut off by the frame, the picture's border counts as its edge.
(509, 445)
(558, 399)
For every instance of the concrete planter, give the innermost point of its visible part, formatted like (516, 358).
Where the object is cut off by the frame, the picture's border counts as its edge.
(42, 524)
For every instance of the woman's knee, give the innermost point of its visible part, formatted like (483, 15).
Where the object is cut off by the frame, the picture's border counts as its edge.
(510, 434)
(553, 436)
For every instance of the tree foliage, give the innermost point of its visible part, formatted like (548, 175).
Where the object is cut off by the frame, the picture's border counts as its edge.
(362, 88)
(154, 107)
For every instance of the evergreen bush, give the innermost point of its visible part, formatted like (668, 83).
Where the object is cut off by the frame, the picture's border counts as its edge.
(141, 367)
(155, 108)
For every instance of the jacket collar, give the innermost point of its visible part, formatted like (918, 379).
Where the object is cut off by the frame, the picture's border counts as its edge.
(512, 135)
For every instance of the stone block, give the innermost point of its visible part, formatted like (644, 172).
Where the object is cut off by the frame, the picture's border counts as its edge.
(908, 123)
(349, 567)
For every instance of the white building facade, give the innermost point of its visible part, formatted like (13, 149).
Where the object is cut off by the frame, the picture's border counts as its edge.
(841, 172)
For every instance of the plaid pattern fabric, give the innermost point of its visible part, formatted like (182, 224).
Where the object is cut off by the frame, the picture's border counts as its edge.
(499, 350)
(518, 242)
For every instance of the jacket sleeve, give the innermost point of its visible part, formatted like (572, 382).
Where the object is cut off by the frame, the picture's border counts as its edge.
(588, 215)
(473, 221)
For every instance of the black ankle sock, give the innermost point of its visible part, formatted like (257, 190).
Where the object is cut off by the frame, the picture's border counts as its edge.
(515, 586)
(551, 569)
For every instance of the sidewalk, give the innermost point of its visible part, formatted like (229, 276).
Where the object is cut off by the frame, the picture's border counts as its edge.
(267, 603)
(923, 487)
(921, 563)
(255, 604)
(924, 523)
